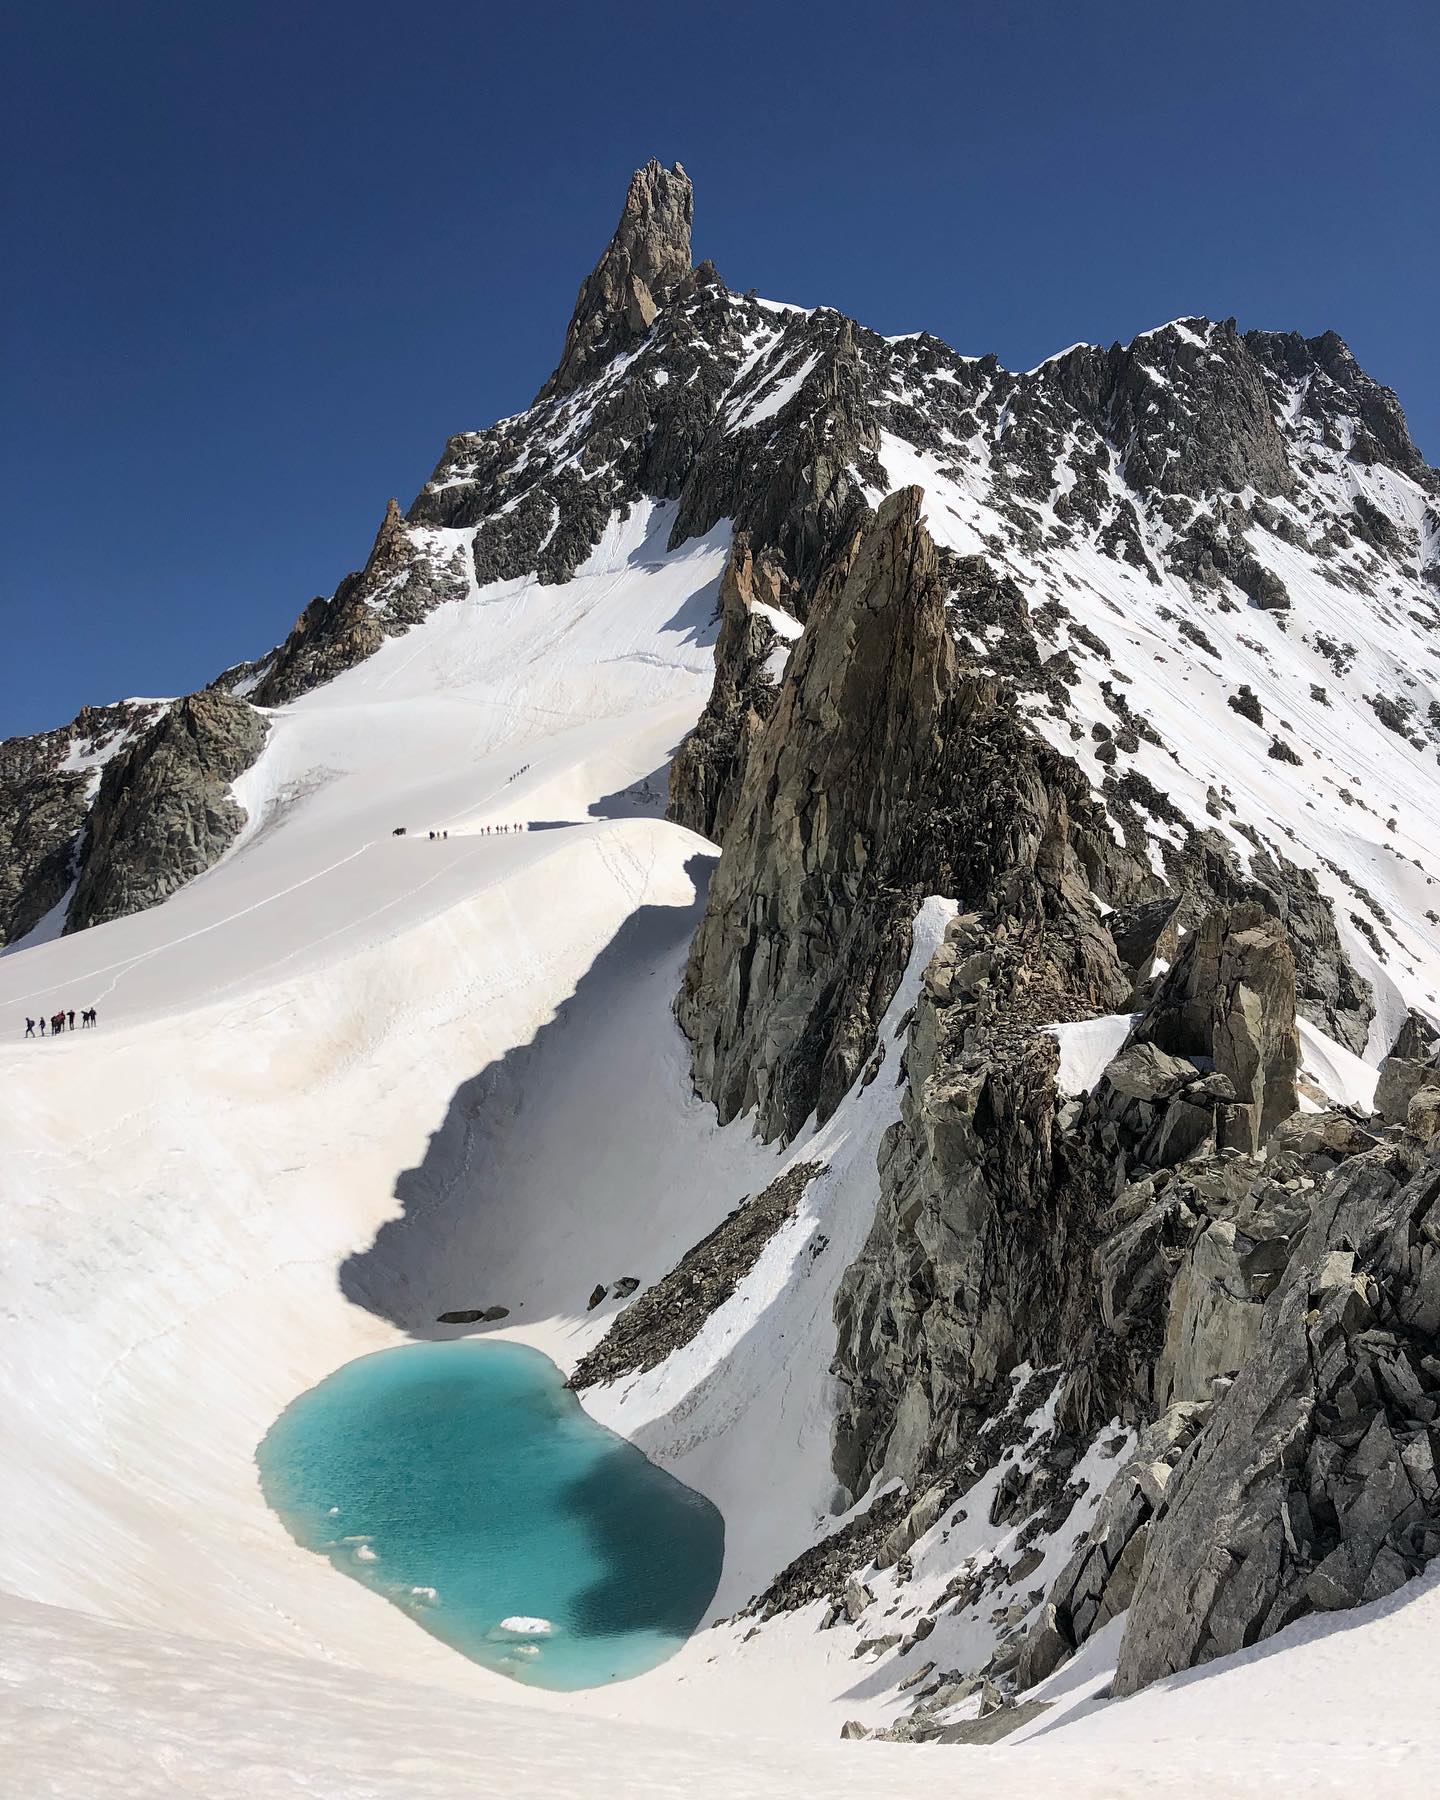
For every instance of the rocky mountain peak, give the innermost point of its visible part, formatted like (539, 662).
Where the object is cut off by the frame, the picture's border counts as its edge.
(391, 544)
(644, 262)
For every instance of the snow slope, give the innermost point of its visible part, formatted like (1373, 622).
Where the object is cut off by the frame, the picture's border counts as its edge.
(1354, 808)
(342, 1067)
(88, 1707)
(278, 1043)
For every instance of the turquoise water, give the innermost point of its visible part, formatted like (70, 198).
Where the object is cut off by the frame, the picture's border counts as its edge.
(464, 1483)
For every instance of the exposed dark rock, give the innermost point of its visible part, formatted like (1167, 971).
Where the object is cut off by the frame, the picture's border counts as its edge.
(990, 1727)
(1246, 702)
(643, 264)
(1411, 1065)
(1393, 714)
(1098, 1582)
(1190, 404)
(887, 1529)
(977, 1259)
(1230, 998)
(1334, 385)
(1263, 586)
(669, 1314)
(1313, 1484)
(165, 812)
(1417, 1039)
(706, 772)
(402, 582)
(800, 499)
(1207, 555)
(882, 775)
(1145, 933)
(44, 803)
(1329, 991)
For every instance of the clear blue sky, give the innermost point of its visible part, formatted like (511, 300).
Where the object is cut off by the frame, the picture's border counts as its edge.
(263, 259)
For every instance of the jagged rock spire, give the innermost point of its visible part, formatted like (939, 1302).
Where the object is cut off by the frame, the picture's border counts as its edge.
(643, 263)
(391, 545)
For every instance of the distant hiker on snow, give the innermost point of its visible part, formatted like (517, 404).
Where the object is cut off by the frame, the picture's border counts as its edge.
(29, 1028)
(72, 1018)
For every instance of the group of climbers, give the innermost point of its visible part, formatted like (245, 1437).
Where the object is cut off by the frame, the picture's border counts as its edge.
(60, 1021)
(484, 831)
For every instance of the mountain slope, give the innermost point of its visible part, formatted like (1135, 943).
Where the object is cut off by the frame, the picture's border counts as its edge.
(1067, 741)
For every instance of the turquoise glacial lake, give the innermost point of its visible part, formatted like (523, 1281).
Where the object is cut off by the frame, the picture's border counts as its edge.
(465, 1483)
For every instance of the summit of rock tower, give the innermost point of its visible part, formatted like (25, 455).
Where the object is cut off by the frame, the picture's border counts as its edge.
(645, 260)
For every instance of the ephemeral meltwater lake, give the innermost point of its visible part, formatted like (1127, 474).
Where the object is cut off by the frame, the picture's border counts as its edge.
(465, 1483)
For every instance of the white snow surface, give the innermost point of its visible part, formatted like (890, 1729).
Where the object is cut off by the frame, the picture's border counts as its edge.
(1086, 1046)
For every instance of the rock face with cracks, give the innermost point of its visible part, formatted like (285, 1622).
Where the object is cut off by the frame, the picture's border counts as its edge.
(1231, 999)
(647, 258)
(706, 773)
(47, 787)
(1313, 1485)
(165, 811)
(883, 773)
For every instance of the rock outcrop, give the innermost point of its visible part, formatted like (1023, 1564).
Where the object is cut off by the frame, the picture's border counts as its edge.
(706, 773)
(883, 774)
(1230, 998)
(967, 1269)
(42, 812)
(1205, 872)
(789, 970)
(1313, 1485)
(1098, 1582)
(47, 784)
(671, 1312)
(1120, 1239)
(404, 579)
(793, 480)
(1411, 1065)
(165, 812)
(644, 262)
